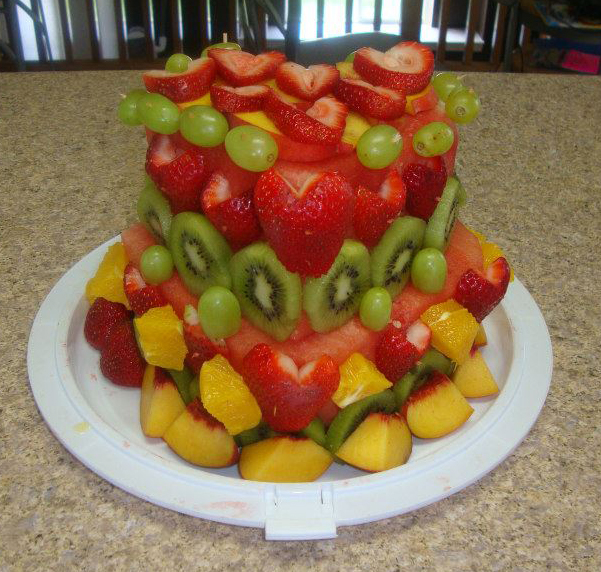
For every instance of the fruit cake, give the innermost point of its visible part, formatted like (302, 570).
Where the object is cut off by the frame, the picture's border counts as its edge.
(298, 288)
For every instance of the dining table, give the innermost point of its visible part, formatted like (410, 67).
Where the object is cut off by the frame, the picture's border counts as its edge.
(70, 175)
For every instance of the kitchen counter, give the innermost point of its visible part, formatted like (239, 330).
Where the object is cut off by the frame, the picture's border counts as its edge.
(70, 174)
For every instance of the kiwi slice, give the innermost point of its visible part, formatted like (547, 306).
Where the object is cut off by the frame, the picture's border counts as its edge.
(349, 418)
(182, 379)
(154, 211)
(332, 299)
(269, 295)
(200, 253)
(194, 388)
(391, 258)
(316, 431)
(442, 220)
(258, 433)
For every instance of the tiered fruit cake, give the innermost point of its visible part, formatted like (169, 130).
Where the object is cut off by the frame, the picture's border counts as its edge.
(298, 288)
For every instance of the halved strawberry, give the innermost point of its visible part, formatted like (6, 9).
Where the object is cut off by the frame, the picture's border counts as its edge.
(424, 186)
(289, 398)
(234, 217)
(235, 99)
(101, 317)
(186, 86)
(120, 359)
(407, 66)
(141, 296)
(479, 293)
(200, 347)
(379, 102)
(241, 68)
(307, 83)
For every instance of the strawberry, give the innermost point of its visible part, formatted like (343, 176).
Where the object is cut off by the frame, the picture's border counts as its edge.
(406, 67)
(200, 347)
(424, 186)
(399, 349)
(307, 83)
(289, 398)
(378, 102)
(141, 296)
(322, 123)
(101, 317)
(481, 293)
(374, 212)
(305, 226)
(241, 68)
(235, 99)
(120, 359)
(185, 86)
(178, 172)
(234, 217)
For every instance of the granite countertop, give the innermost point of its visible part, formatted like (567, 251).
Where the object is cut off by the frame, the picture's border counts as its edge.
(69, 178)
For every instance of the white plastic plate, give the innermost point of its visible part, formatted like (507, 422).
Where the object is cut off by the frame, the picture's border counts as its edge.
(98, 423)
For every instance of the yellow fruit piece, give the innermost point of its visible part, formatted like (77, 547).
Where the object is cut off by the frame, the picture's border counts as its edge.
(108, 280)
(359, 378)
(226, 397)
(203, 100)
(347, 71)
(356, 125)
(259, 119)
(161, 338)
(490, 252)
(481, 238)
(480, 339)
(160, 402)
(285, 96)
(473, 378)
(412, 98)
(453, 329)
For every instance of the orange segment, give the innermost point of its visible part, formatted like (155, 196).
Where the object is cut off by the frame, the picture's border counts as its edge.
(359, 378)
(108, 280)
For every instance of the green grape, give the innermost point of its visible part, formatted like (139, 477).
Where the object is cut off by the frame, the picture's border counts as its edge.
(379, 146)
(156, 264)
(158, 113)
(350, 57)
(433, 139)
(429, 270)
(445, 83)
(222, 45)
(219, 312)
(375, 308)
(128, 107)
(251, 148)
(178, 63)
(463, 105)
(203, 125)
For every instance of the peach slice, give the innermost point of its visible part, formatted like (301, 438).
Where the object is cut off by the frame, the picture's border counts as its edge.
(480, 339)
(284, 459)
(382, 441)
(436, 408)
(160, 402)
(473, 378)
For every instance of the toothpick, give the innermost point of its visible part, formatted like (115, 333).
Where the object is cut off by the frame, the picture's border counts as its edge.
(225, 37)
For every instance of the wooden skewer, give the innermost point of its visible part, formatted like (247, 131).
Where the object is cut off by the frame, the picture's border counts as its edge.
(225, 37)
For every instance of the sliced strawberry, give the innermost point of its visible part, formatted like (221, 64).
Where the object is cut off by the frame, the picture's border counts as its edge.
(200, 347)
(120, 359)
(399, 349)
(307, 83)
(479, 293)
(141, 296)
(101, 317)
(178, 172)
(241, 68)
(424, 187)
(234, 217)
(185, 86)
(289, 398)
(235, 99)
(379, 102)
(407, 66)
(307, 224)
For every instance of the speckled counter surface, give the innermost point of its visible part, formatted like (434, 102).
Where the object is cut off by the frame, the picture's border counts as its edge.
(69, 177)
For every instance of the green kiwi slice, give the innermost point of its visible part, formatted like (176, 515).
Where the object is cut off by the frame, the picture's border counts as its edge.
(269, 295)
(182, 379)
(442, 220)
(391, 258)
(194, 388)
(154, 211)
(258, 433)
(200, 253)
(333, 299)
(349, 418)
(316, 431)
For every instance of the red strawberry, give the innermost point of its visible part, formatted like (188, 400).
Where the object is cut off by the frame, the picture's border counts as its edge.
(481, 293)
(186, 86)
(374, 212)
(141, 296)
(407, 66)
(379, 102)
(323, 123)
(399, 349)
(307, 83)
(234, 217)
(305, 226)
(235, 99)
(101, 317)
(424, 186)
(120, 359)
(179, 172)
(241, 68)
(289, 398)
(200, 347)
